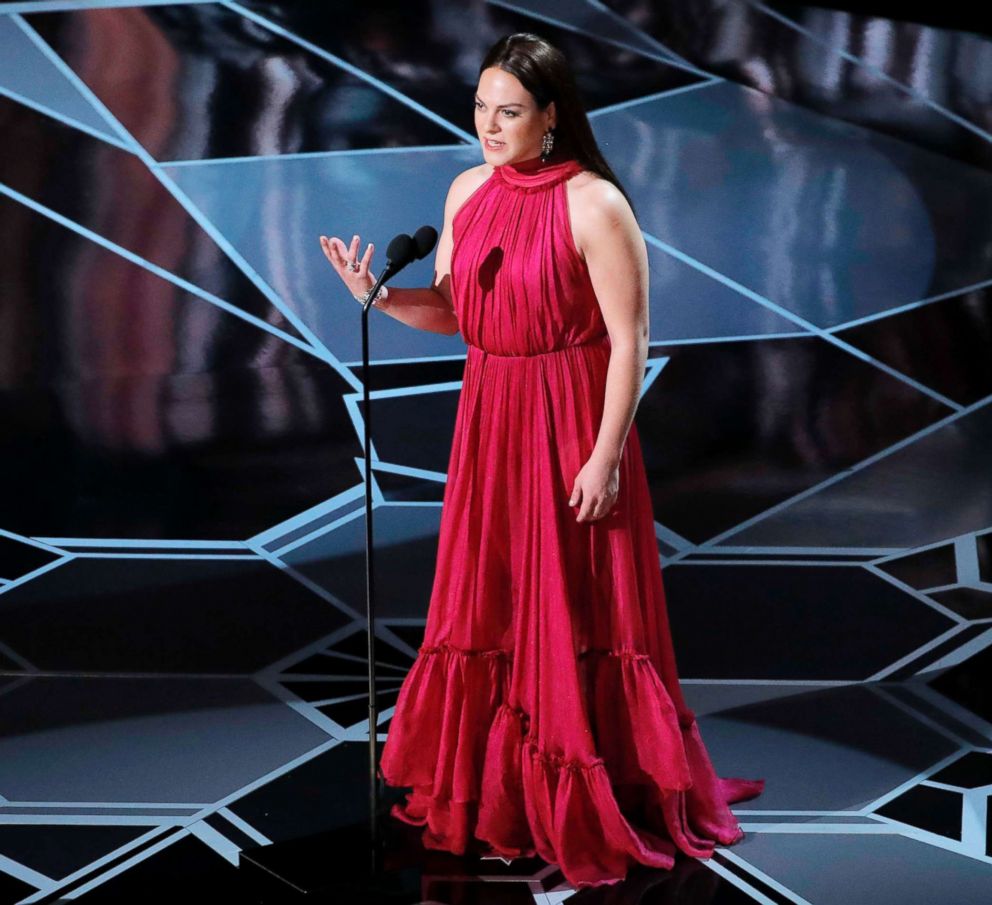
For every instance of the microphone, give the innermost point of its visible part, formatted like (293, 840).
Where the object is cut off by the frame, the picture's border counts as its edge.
(425, 239)
(403, 250)
(399, 253)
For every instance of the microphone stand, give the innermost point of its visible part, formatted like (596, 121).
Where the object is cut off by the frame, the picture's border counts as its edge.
(374, 835)
(332, 863)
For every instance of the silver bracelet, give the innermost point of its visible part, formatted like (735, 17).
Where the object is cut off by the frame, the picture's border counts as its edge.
(364, 298)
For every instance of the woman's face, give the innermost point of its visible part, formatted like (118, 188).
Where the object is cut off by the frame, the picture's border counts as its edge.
(506, 113)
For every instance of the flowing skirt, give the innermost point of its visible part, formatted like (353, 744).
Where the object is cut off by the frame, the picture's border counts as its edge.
(543, 714)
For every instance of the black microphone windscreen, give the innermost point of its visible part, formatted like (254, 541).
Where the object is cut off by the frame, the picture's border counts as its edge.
(424, 239)
(400, 251)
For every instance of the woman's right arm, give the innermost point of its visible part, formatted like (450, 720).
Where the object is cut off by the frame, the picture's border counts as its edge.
(429, 308)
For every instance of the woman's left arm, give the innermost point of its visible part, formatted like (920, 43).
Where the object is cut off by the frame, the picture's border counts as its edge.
(610, 239)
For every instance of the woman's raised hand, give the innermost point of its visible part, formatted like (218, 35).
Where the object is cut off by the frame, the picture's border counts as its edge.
(359, 280)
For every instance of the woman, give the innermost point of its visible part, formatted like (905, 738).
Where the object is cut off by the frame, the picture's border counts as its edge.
(543, 714)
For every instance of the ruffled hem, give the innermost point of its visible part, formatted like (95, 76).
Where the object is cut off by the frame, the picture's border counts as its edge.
(478, 774)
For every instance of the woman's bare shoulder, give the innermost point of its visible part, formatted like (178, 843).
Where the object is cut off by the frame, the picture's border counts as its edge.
(467, 181)
(594, 195)
(596, 205)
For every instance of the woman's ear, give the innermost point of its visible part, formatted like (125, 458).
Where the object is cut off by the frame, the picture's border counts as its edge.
(552, 115)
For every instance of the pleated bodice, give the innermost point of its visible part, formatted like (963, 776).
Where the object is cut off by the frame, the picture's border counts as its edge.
(518, 282)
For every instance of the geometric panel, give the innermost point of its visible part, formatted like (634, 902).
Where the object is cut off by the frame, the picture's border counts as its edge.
(184, 871)
(406, 538)
(834, 623)
(716, 310)
(231, 453)
(827, 749)
(705, 168)
(968, 684)
(161, 740)
(920, 569)
(251, 201)
(26, 71)
(934, 810)
(835, 869)
(171, 615)
(968, 772)
(214, 455)
(933, 25)
(110, 192)
(972, 603)
(415, 429)
(18, 558)
(320, 794)
(410, 634)
(429, 67)
(346, 687)
(890, 502)
(412, 373)
(57, 851)
(403, 488)
(745, 45)
(589, 19)
(943, 345)
(208, 427)
(928, 659)
(349, 657)
(349, 713)
(718, 430)
(984, 544)
(345, 693)
(12, 889)
(934, 709)
(250, 112)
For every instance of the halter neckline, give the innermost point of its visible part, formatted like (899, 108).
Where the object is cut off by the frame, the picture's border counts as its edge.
(535, 173)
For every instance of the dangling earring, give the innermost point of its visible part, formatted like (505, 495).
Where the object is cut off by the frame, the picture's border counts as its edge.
(547, 143)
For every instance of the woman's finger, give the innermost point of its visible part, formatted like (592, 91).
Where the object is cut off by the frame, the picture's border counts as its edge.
(331, 253)
(342, 251)
(367, 257)
(601, 508)
(346, 257)
(330, 246)
(585, 507)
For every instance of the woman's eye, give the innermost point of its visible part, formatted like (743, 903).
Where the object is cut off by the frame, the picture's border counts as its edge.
(478, 106)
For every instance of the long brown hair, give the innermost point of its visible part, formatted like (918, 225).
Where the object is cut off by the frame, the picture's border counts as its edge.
(544, 71)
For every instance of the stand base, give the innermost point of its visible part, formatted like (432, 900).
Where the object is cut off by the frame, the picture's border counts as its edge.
(337, 866)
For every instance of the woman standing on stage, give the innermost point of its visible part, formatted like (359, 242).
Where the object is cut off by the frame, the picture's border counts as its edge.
(543, 714)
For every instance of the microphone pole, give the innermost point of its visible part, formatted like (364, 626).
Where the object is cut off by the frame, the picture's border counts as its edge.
(401, 251)
(332, 864)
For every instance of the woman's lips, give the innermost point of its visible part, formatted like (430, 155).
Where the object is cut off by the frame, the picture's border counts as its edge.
(492, 146)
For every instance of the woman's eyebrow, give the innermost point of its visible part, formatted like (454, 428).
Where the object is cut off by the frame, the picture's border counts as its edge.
(501, 106)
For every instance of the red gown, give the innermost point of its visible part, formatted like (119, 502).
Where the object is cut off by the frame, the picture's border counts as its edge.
(543, 714)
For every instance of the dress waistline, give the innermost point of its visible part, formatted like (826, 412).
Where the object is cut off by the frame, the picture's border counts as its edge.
(602, 338)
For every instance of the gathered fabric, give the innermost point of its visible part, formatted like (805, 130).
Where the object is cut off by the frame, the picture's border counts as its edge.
(543, 715)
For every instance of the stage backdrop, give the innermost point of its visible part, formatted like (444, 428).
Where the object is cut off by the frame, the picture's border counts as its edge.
(181, 473)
